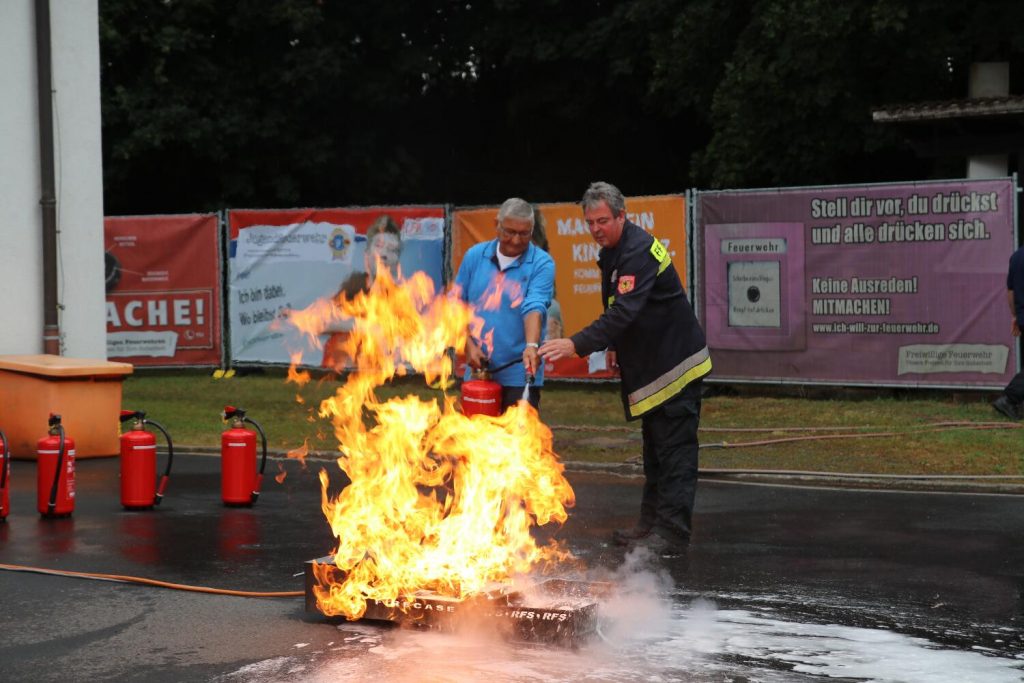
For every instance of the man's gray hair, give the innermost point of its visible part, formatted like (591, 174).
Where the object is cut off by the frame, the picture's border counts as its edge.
(517, 208)
(604, 192)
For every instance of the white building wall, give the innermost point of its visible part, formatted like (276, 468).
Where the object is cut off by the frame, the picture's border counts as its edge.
(21, 253)
(76, 83)
(79, 170)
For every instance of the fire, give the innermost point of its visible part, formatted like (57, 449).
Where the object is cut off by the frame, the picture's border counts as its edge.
(435, 500)
(502, 286)
(300, 453)
(300, 377)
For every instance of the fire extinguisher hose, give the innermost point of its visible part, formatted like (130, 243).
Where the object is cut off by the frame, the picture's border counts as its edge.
(52, 505)
(504, 366)
(170, 459)
(263, 463)
(120, 578)
(4, 460)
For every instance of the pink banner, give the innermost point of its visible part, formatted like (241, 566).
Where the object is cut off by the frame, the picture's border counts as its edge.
(888, 284)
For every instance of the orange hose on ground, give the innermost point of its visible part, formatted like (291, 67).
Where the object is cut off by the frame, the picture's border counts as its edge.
(860, 435)
(150, 582)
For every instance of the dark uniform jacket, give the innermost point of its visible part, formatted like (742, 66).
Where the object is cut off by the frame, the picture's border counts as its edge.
(648, 321)
(1015, 284)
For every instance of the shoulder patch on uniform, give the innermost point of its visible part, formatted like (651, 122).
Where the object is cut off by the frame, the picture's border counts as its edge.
(658, 250)
(626, 283)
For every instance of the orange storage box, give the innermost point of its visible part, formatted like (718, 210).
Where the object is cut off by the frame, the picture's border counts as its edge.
(85, 393)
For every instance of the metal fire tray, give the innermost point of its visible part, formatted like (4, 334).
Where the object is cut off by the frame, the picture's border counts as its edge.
(554, 610)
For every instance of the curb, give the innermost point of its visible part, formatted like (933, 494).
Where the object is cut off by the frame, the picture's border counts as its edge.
(1003, 485)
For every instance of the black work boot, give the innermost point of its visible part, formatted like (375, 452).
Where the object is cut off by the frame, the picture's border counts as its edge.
(662, 546)
(630, 536)
(1004, 405)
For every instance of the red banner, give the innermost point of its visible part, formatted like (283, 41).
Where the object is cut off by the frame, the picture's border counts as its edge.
(163, 290)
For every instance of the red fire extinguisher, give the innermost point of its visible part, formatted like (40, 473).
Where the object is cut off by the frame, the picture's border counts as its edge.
(482, 395)
(239, 483)
(55, 472)
(5, 475)
(139, 490)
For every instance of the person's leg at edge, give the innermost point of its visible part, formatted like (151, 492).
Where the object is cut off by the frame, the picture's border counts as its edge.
(1011, 402)
(1015, 389)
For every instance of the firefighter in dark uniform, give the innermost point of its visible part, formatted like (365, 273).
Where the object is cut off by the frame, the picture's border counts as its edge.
(651, 332)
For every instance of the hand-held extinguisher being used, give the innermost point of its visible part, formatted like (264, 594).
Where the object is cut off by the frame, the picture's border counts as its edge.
(482, 395)
(139, 490)
(239, 483)
(5, 475)
(55, 472)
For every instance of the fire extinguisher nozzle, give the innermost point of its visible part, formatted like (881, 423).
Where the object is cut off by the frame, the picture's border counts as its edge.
(258, 487)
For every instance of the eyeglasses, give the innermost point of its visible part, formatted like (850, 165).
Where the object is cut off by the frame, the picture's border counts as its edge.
(513, 234)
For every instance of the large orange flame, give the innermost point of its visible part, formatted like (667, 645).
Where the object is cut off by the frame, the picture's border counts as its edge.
(435, 500)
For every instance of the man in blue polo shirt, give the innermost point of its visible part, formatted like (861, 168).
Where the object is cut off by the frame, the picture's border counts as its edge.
(509, 281)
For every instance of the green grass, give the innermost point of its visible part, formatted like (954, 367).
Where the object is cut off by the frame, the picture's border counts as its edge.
(588, 423)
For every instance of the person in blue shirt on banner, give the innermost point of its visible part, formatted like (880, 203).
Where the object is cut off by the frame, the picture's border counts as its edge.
(383, 249)
(509, 281)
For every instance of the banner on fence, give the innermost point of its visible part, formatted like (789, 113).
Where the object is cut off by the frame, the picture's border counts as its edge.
(163, 290)
(901, 284)
(284, 260)
(577, 278)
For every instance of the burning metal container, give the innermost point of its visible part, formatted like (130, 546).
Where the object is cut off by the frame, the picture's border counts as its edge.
(559, 611)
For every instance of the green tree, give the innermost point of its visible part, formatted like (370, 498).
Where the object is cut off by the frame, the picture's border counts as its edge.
(790, 90)
(298, 102)
(208, 103)
(270, 103)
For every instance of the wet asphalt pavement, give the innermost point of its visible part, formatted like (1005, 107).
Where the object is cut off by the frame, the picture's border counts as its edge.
(781, 584)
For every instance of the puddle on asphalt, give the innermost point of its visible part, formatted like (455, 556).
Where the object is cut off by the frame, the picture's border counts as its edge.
(652, 632)
(698, 642)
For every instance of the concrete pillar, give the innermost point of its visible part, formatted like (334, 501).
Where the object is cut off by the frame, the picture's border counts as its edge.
(988, 79)
(988, 166)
